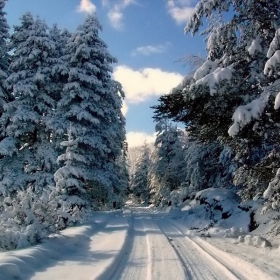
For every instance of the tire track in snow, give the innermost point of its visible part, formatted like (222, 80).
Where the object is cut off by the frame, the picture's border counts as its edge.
(241, 268)
(165, 263)
(151, 256)
(198, 263)
(115, 269)
(135, 265)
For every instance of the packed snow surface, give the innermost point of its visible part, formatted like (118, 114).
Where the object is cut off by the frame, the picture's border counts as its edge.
(141, 243)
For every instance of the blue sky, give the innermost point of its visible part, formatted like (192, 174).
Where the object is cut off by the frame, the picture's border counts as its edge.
(146, 36)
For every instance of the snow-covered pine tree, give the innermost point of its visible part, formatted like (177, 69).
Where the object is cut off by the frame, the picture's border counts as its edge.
(60, 38)
(167, 169)
(91, 101)
(21, 32)
(59, 77)
(4, 57)
(140, 183)
(122, 180)
(27, 136)
(271, 69)
(26, 218)
(231, 85)
(69, 193)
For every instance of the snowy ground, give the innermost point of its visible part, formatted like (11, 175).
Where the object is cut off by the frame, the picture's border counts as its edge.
(139, 243)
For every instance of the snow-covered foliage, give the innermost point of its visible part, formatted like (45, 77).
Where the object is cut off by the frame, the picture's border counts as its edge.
(70, 184)
(272, 193)
(207, 165)
(140, 182)
(215, 210)
(4, 63)
(217, 199)
(168, 166)
(216, 75)
(232, 100)
(62, 142)
(26, 218)
(255, 46)
(244, 114)
(207, 67)
(25, 117)
(91, 101)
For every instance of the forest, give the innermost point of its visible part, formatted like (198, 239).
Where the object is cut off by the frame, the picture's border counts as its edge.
(229, 104)
(63, 149)
(62, 142)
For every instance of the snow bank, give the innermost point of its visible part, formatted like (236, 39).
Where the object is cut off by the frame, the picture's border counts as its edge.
(257, 241)
(95, 245)
(216, 211)
(174, 212)
(234, 232)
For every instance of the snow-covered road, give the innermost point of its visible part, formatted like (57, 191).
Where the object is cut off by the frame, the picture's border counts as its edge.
(134, 244)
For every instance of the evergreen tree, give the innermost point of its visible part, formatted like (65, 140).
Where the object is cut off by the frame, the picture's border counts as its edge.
(69, 193)
(140, 183)
(232, 85)
(4, 57)
(167, 171)
(91, 101)
(25, 118)
(60, 38)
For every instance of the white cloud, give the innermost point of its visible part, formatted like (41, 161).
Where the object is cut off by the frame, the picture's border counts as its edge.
(135, 139)
(148, 50)
(180, 10)
(124, 108)
(116, 16)
(140, 85)
(86, 6)
(115, 13)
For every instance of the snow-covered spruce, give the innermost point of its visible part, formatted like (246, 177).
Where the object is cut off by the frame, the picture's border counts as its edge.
(91, 101)
(69, 193)
(139, 183)
(4, 63)
(168, 166)
(25, 118)
(56, 80)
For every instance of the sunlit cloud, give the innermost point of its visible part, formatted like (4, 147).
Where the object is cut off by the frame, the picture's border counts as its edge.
(116, 18)
(151, 49)
(124, 108)
(136, 138)
(140, 85)
(86, 6)
(180, 10)
(116, 11)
